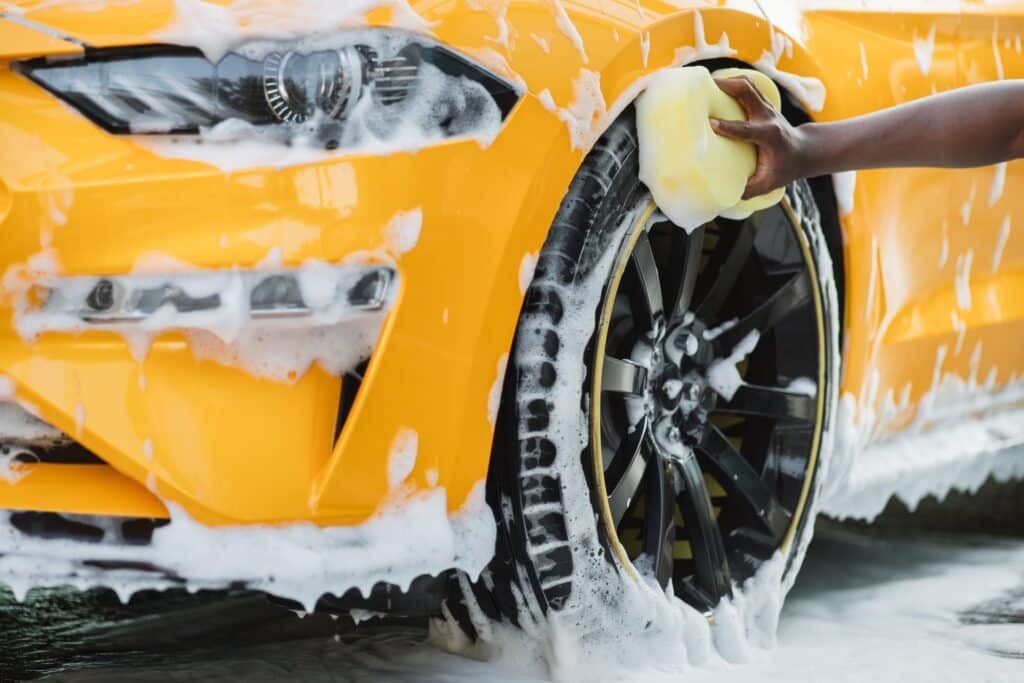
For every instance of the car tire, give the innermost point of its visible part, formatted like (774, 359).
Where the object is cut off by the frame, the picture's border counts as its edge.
(556, 538)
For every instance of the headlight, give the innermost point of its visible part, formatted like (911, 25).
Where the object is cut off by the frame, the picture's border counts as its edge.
(349, 88)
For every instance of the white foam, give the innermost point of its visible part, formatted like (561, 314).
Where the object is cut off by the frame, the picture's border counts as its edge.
(403, 232)
(963, 279)
(924, 48)
(402, 459)
(1000, 73)
(1004, 235)
(568, 29)
(998, 183)
(585, 117)
(526, 268)
(965, 429)
(542, 42)
(702, 49)
(723, 375)
(407, 538)
(216, 29)
(845, 185)
(494, 395)
(17, 424)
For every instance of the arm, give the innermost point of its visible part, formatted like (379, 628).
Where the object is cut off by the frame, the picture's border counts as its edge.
(973, 126)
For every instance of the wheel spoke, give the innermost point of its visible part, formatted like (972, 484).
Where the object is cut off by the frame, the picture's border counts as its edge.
(647, 275)
(634, 454)
(711, 568)
(623, 376)
(752, 399)
(660, 519)
(728, 273)
(743, 482)
(690, 267)
(795, 293)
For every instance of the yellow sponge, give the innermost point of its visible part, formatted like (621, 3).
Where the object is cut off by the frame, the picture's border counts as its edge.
(693, 173)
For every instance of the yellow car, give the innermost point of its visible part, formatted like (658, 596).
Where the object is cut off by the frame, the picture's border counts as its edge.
(341, 297)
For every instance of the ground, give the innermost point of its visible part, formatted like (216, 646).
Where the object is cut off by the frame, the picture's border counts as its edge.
(894, 602)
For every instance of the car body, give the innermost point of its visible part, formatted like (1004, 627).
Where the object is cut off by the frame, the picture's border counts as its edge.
(929, 266)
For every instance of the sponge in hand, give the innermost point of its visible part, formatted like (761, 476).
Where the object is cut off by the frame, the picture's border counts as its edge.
(693, 173)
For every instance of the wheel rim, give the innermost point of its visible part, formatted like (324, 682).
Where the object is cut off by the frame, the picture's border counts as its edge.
(696, 487)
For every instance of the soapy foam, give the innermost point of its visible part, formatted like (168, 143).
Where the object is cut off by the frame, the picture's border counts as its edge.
(19, 425)
(216, 29)
(568, 29)
(1004, 235)
(723, 374)
(494, 395)
(963, 280)
(998, 183)
(924, 48)
(407, 538)
(702, 49)
(1000, 73)
(844, 185)
(402, 459)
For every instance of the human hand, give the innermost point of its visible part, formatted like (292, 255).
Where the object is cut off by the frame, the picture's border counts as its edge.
(780, 146)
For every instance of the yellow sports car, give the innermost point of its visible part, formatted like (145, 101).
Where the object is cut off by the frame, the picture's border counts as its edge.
(339, 297)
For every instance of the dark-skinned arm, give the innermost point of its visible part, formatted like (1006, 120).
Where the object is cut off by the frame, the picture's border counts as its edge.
(974, 126)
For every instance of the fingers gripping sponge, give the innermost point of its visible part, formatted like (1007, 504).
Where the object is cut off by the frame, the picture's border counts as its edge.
(693, 173)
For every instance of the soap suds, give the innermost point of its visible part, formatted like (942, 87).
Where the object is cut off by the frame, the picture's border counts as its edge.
(402, 459)
(723, 375)
(1000, 74)
(542, 43)
(568, 29)
(526, 268)
(585, 116)
(406, 538)
(968, 205)
(645, 46)
(963, 280)
(403, 232)
(924, 48)
(79, 419)
(998, 183)
(1004, 235)
(962, 434)
(845, 185)
(494, 395)
(216, 29)
(702, 49)
(944, 246)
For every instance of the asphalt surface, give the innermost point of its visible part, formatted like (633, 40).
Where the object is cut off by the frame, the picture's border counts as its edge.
(67, 635)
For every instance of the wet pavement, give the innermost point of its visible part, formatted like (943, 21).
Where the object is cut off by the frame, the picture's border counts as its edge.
(859, 593)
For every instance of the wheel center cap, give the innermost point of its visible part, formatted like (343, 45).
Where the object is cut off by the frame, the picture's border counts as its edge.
(680, 396)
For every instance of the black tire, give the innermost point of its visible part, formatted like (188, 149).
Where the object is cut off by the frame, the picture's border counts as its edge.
(552, 551)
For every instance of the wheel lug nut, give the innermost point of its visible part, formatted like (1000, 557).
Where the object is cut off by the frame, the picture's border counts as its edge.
(674, 434)
(691, 345)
